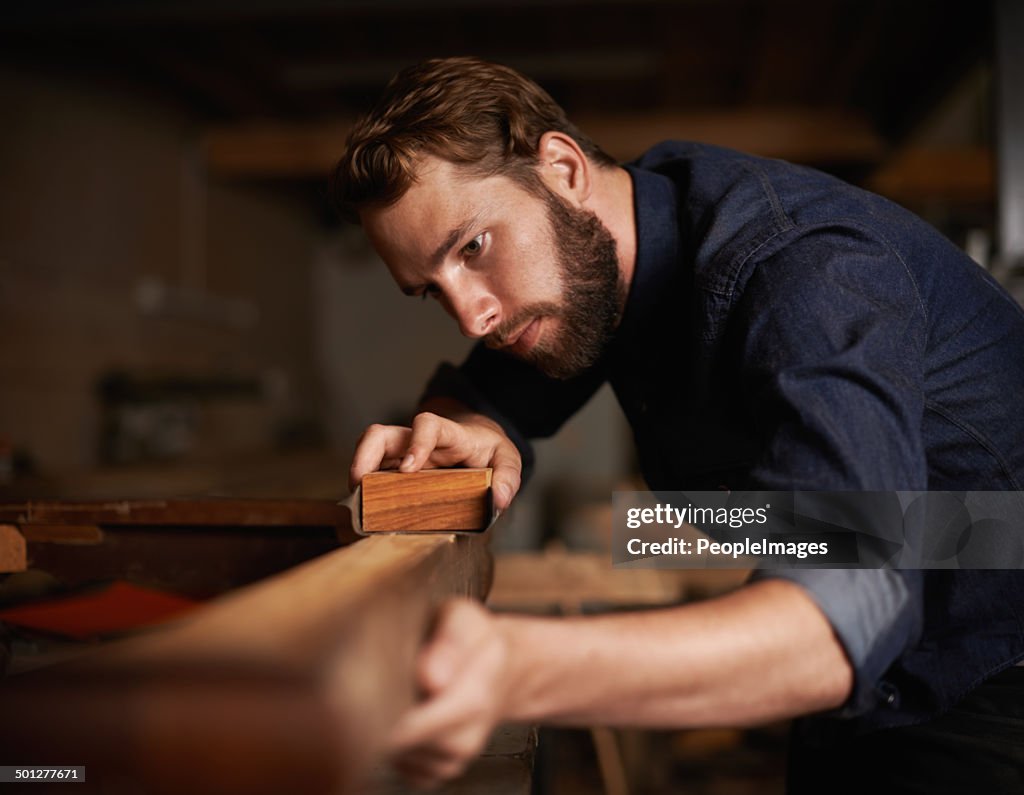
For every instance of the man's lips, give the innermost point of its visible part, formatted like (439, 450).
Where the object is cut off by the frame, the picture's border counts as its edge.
(519, 341)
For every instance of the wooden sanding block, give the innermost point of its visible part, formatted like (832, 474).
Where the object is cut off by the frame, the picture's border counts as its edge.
(428, 500)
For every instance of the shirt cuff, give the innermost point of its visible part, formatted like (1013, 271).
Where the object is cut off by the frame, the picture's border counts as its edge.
(875, 613)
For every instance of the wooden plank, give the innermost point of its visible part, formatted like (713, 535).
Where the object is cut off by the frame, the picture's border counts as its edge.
(13, 551)
(262, 476)
(289, 685)
(76, 534)
(197, 561)
(276, 150)
(925, 176)
(432, 499)
(180, 513)
(806, 135)
(560, 580)
(556, 579)
(198, 548)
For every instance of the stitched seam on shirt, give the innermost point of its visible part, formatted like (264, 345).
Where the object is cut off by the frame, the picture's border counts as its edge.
(1001, 293)
(783, 224)
(737, 269)
(979, 437)
(853, 224)
(729, 292)
(781, 219)
(875, 234)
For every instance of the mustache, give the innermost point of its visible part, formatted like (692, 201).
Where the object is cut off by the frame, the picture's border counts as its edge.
(506, 331)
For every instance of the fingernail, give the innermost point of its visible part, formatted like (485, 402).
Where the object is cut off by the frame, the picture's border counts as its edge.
(407, 461)
(504, 496)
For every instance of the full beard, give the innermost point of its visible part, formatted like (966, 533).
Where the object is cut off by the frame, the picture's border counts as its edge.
(592, 294)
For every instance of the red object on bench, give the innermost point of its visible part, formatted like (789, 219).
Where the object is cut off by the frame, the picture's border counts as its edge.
(119, 607)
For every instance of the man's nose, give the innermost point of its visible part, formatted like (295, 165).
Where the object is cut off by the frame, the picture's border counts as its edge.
(476, 312)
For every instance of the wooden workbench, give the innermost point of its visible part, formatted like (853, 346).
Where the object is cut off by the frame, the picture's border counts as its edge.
(289, 683)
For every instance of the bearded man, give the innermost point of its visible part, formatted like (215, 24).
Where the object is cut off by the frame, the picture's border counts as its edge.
(763, 326)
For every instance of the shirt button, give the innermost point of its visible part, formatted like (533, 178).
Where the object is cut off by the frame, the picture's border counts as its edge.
(889, 694)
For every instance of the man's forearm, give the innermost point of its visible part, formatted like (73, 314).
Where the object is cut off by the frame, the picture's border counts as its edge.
(763, 653)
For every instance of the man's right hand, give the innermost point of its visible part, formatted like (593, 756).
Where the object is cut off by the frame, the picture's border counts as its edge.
(472, 440)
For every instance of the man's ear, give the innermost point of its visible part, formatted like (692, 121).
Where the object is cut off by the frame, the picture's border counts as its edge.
(564, 168)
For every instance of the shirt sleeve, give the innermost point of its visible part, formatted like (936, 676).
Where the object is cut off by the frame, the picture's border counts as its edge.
(875, 613)
(832, 334)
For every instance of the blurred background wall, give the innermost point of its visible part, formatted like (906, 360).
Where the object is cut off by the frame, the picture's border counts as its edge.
(119, 256)
(179, 305)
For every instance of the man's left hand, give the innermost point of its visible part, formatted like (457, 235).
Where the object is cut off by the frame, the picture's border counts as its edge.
(463, 672)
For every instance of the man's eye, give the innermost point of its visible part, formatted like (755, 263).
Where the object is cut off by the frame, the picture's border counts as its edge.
(474, 246)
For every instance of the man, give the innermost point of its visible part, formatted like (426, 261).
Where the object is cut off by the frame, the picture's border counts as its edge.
(763, 326)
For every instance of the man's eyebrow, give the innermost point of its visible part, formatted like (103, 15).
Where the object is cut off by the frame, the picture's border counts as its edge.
(449, 242)
(452, 238)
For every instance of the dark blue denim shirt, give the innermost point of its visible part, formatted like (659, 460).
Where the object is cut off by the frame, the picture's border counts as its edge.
(785, 330)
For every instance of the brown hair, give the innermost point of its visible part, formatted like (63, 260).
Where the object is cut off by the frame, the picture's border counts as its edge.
(470, 112)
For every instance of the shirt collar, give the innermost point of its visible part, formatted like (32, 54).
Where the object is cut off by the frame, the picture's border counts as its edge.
(657, 247)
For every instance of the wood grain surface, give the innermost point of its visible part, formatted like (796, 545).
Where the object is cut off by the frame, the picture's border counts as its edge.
(12, 550)
(431, 499)
(196, 547)
(289, 685)
(178, 512)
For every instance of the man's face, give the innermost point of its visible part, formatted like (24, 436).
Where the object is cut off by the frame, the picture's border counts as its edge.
(531, 275)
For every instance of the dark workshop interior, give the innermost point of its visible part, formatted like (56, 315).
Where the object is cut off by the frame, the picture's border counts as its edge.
(183, 314)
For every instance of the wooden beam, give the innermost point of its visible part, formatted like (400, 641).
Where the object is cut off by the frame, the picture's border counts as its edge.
(198, 548)
(568, 581)
(291, 684)
(554, 579)
(920, 175)
(800, 134)
(296, 476)
(196, 561)
(178, 512)
(431, 499)
(82, 534)
(298, 151)
(13, 556)
(806, 135)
